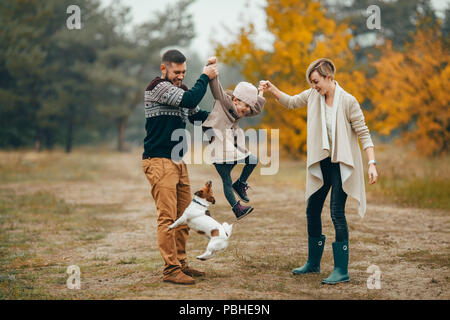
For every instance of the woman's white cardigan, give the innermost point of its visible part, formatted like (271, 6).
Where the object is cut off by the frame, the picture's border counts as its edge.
(347, 126)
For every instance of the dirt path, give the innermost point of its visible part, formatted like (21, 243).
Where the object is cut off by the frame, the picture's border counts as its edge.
(410, 246)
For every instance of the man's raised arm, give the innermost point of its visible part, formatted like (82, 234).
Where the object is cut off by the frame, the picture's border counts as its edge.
(192, 97)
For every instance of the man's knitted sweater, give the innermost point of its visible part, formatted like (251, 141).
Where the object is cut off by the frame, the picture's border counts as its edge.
(167, 107)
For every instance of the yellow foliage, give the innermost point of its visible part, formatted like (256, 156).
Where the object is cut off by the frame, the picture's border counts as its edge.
(410, 91)
(302, 33)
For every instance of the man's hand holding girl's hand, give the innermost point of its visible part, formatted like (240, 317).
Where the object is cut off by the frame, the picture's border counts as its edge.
(211, 60)
(211, 71)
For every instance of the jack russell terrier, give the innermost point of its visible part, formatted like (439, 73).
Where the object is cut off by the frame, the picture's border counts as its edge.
(198, 218)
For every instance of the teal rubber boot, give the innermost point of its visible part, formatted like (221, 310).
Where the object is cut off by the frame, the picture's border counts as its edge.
(340, 256)
(315, 250)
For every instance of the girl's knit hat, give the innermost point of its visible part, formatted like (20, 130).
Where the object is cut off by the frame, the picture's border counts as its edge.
(247, 93)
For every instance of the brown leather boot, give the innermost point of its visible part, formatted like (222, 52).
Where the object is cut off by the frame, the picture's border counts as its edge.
(192, 272)
(178, 277)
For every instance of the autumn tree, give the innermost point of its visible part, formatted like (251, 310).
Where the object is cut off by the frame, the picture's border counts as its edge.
(410, 92)
(27, 37)
(399, 18)
(60, 86)
(134, 59)
(302, 33)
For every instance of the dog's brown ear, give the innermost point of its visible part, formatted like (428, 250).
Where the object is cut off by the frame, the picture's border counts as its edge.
(199, 193)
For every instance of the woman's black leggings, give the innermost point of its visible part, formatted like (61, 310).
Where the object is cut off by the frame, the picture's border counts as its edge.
(332, 179)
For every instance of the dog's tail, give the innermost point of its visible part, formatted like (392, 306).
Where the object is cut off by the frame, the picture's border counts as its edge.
(228, 228)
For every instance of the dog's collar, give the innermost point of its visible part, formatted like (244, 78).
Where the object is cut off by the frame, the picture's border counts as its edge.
(203, 205)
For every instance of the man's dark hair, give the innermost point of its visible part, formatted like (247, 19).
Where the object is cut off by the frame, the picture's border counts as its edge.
(173, 56)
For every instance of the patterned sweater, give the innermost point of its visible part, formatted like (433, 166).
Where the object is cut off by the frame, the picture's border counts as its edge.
(167, 108)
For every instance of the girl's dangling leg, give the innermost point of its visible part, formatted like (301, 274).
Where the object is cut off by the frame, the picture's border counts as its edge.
(250, 164)
(241, 186)
(224, 171)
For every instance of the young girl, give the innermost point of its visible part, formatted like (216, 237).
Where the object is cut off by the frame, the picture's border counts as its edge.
(228, 136)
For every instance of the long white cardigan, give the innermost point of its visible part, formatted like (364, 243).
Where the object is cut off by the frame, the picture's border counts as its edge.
(348, 126)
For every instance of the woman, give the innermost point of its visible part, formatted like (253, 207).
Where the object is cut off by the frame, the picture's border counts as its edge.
(335, 122)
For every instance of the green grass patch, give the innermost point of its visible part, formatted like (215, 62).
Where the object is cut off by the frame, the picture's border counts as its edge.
(35, 226)
(427, 258)
(415, 192)
(49, 166)
(403, 179)
(130, 260)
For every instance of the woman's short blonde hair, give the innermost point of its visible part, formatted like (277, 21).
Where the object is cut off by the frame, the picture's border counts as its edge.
(325, 67)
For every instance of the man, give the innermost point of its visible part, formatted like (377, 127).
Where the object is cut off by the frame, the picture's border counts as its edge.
(168, 105)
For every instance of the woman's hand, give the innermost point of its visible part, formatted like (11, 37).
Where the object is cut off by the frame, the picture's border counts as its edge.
(266, 85)
(372, 172)
(373, 175)
(263, 85)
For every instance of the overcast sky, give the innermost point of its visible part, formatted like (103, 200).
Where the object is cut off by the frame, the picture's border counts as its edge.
(220, 19)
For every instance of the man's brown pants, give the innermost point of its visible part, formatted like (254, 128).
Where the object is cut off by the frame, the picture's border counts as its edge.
(171, 191)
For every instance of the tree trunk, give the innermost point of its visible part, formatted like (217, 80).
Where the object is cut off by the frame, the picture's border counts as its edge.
(121, 137)
(49, 140)
(69, 134)
(123, 121)
(37, 142)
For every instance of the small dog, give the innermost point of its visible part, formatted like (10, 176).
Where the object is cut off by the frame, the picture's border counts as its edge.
(198, 218)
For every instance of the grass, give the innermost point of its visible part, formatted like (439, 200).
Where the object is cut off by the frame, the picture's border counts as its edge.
(426, 257)
(41, 222)
(417, 192)
(47, 166)
(109, 232)
(409, 179)
(405, 178)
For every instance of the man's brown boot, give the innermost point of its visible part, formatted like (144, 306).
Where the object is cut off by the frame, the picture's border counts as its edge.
(192, 272)
(178, 277)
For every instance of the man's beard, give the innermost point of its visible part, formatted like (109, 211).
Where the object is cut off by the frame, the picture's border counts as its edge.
(166, 78)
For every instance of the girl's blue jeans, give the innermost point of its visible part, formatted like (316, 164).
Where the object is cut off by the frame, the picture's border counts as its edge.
(224, 170)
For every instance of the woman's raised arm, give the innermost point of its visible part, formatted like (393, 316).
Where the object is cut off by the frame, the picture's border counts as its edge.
(290, 102)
